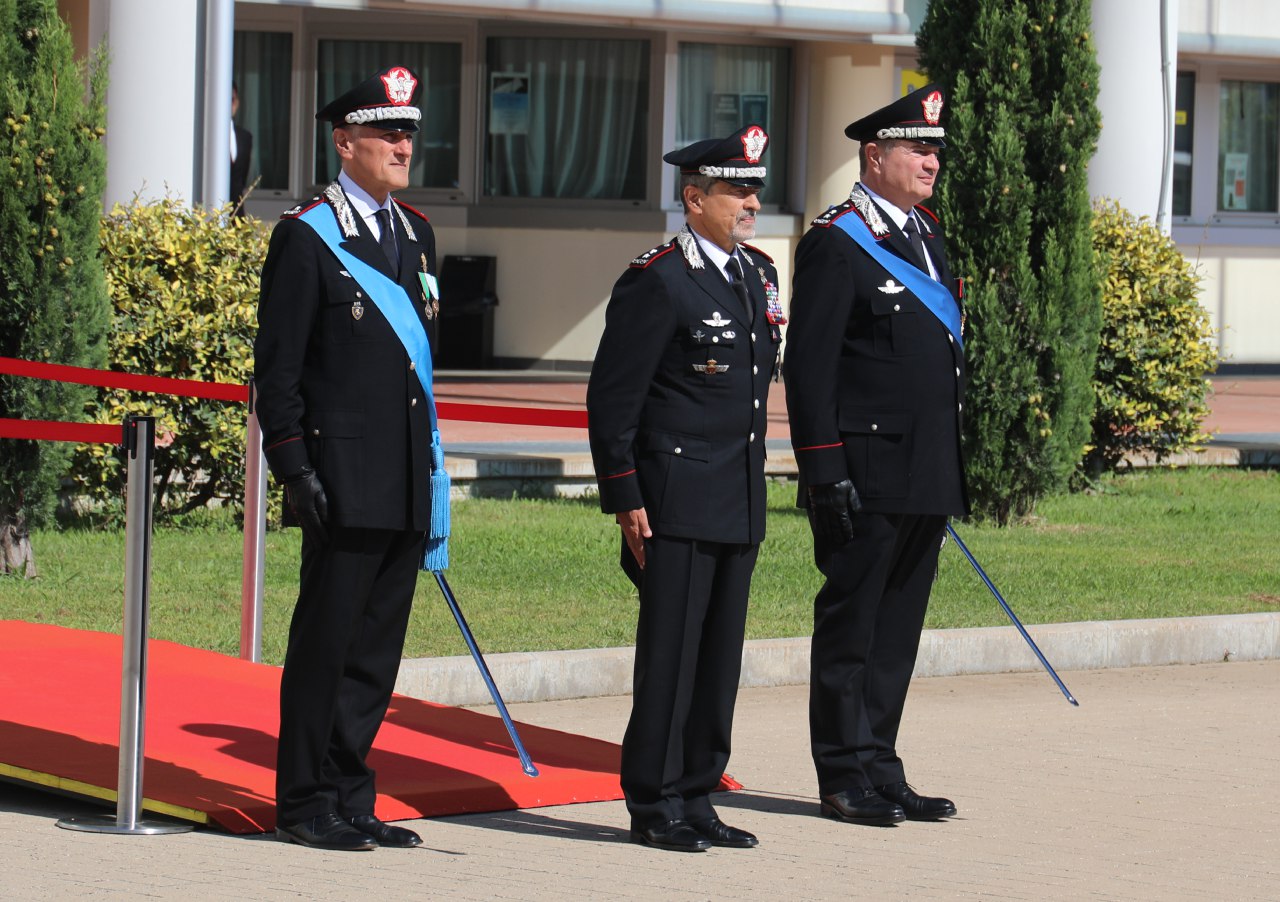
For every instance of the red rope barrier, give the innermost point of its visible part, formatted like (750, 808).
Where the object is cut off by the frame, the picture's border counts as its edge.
(48, 430)
(79, 375)
(517, 416)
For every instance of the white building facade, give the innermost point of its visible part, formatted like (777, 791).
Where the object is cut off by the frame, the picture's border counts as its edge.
(545, 122)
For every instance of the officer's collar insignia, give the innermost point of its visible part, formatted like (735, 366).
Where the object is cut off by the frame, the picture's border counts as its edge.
(711, 367)
(868, 210)
(408, 226)
(717, 321)
(892, 287)
(342, 208)
(689, 247)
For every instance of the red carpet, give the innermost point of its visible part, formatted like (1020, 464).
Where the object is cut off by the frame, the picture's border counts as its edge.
(211, 737)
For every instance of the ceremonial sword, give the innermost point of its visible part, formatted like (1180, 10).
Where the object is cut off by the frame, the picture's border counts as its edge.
(526, 763)
(1012, 616)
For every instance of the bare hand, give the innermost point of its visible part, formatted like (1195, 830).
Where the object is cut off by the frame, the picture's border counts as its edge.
(635, 529)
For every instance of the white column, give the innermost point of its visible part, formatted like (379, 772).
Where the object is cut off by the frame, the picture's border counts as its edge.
(153, 100)
(1136, 99)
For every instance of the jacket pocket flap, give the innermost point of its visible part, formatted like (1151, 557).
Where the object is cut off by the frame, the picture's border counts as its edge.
(678, 445)
(879, 422)
(886, 304)
(334, 423)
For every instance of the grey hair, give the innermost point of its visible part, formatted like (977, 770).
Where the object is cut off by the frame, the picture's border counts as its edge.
(702, 182)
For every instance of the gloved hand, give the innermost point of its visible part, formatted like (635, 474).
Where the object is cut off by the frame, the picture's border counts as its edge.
(306, 499)
(829, 508)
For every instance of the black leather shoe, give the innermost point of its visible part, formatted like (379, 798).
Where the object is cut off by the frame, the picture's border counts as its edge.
(328, 831)
(674, 836)
(385, 834)
(862, 805)
(916, 806)
(721, 834)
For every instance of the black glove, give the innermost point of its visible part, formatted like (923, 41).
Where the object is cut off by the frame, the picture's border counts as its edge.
(829, 508)
(306, 499)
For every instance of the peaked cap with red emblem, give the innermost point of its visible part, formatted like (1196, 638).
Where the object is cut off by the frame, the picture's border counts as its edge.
(387, 100)
(915, 117)
(735, 159)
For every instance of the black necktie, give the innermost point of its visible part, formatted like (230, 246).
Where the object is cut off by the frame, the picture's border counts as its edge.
(388, 240)
(912, 228)
(739, 286)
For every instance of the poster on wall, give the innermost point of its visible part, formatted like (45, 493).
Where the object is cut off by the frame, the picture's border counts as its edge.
(509, 103)
(755, 110)
(1235, 181)
(726, 117)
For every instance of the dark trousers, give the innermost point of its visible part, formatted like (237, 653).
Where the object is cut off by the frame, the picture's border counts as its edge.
(866, 631)
(693, 613)
(345, 643)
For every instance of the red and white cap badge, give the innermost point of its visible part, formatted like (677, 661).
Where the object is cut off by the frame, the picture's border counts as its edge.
(753, 144)
(400, 85)
(932, 107)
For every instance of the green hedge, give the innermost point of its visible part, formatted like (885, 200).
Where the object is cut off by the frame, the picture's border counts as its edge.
(1157, 346)
(184, 289)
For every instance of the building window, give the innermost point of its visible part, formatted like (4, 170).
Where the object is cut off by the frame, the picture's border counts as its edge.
(1184, 117)
(262, 66)
(723, 87)
(1249, 147)
(342, 64)
(566, 118)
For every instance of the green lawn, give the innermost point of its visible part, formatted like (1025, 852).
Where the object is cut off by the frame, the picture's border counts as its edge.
(534, 575)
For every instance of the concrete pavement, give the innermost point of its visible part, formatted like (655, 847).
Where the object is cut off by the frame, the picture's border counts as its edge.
(1160, 786)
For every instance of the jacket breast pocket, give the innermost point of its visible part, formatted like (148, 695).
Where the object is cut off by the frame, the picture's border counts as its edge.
(896, 328)
(878, 444)
(349, 314)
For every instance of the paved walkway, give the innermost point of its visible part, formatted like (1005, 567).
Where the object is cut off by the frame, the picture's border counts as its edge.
(1162, 786)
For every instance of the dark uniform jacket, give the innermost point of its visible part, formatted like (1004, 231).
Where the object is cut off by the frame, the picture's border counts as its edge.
(678, 394)
(336, 388)
(875, 383)
(240, 165)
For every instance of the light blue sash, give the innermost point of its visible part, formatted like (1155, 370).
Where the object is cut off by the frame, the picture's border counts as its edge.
(932, 294)
(394, 303)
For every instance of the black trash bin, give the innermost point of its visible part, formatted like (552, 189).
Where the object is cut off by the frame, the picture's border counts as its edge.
(467, 300)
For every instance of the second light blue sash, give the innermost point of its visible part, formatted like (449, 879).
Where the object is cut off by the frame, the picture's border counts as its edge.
(394, 303)
(931, 293)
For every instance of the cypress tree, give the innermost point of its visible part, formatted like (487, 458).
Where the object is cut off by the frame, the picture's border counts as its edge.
(1021, 79)
(54, 306)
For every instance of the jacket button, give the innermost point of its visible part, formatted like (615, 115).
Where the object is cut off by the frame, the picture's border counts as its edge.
(756, 403)
(753, 336)
(413, 402)
(751, 437)
(315, 431)
(412, 366)
(897, 307)
(359, 295)
(755, 370)
(875, 426)
(957, 372)
(715, 339)
(951, 338)
(959, 407)
(678, 449)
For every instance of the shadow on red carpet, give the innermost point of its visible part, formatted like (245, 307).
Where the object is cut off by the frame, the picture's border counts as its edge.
(211, 728)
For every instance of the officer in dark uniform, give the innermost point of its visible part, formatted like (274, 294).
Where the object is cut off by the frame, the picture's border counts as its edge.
(875, 389)
(346, 427)
(677, 413)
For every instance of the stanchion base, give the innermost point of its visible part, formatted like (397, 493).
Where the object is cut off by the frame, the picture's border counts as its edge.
(102, 823)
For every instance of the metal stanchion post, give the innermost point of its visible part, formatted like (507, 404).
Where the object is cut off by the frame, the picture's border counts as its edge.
(139, 446)
(255, 536)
